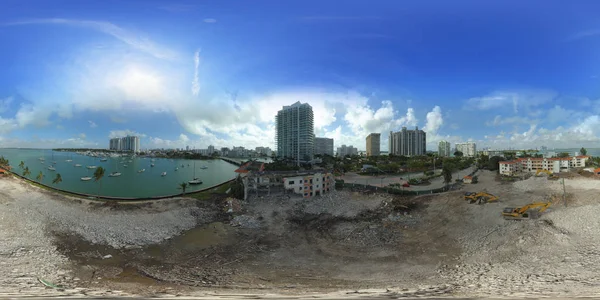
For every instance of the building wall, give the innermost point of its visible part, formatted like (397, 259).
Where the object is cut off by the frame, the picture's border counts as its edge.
(295, 132)
(373, 144)
(310, 185)
(554, 165)
(444, 149)
(346, 150)
(408, 142)
(468, 149)
(324, 146)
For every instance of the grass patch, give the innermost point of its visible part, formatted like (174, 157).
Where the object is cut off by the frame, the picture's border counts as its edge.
(206, 195)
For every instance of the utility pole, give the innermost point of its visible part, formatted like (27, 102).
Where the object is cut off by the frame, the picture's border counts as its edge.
(564, 192)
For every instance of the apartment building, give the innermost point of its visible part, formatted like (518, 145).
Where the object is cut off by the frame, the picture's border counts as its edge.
(373, 144)
(323, 146)
(295, 132)
(346, 150)
(408, 142)
(128, 143)
(444, 149)
(533, 164)
(468, 149)
(310, 185)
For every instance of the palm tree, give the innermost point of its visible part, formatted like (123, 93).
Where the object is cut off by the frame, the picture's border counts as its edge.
(40, 177)
(3, 161)
(26, 172)
(57, 179)
(22, 165)
(98, 174)
(183, 186)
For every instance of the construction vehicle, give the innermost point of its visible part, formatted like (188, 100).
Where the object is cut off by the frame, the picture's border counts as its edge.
(480, 198)
(543, 171)
(529, 211)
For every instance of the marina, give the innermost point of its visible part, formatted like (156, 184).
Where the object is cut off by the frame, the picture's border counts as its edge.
(138, 179)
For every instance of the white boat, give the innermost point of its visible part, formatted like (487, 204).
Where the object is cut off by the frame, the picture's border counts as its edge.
(204, 167)
(42, 159)
(103, 159)
(176, 169)
(51, 168)
(163, 174)
(124, 166)
(195, 180)
(53, 162)
(142, 170)
(69, 160)
(87, 178)
(42, 162)
(114, 174)
(152, 165)
(91, 167)
(78, 165)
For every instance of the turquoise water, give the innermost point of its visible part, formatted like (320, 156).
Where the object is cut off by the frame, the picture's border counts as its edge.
(131, 183)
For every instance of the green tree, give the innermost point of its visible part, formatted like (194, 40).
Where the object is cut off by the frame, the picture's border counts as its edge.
(26, 172)
(237, 188)
(583, 151)
(458, 154)
(3, 161)
(22, 164)
(475, 179)
(447, 173)
(183, 186)
(98, 174)
(494, 163)
(57, 179)
(563, 154)
(40, 177)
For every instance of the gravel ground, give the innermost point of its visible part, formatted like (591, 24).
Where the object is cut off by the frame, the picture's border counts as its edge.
(28, 215)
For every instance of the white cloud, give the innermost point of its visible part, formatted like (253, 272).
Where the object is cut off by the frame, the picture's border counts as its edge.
(119, 33)
(37, 142)
(512, 99)
(33, 115)
(82, 136)
(123, 133)
(7, 125)
(196, 81)
(92, 124)
(5, 104)
(434, 121)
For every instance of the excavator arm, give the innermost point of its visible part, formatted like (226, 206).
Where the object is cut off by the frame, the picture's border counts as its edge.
(529, 211)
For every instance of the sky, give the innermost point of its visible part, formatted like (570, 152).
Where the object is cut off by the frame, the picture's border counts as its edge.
(518, 74)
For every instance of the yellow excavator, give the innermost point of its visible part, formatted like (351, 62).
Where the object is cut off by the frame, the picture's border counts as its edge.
(551, 175)
(529, 211)
(480, 198)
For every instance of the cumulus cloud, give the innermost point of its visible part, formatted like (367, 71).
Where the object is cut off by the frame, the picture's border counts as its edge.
(434, 120)
(33, 115)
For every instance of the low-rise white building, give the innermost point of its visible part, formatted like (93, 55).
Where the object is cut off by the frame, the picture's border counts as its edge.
(310, 185)
(533, 164)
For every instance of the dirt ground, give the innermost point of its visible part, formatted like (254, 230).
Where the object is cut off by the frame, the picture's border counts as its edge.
(376, 244)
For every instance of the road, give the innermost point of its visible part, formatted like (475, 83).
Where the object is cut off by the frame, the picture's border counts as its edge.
(382, 181)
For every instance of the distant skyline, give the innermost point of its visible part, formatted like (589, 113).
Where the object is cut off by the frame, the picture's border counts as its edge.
(177, 73)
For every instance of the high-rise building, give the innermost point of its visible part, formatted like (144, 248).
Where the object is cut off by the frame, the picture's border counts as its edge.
(468, 149)
(128, 143)
(373, 144)
(346, 150)
(324, 146)
(295, 132)
(211, 149)
(408, 142)
(444, 149)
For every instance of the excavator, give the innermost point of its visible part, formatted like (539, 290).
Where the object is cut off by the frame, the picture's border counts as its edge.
(480, 198)
(529, 211)
(551, 176)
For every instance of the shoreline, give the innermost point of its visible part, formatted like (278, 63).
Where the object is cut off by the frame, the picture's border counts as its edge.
(112, 198)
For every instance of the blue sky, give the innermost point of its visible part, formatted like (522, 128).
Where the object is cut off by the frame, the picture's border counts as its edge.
(501, 73)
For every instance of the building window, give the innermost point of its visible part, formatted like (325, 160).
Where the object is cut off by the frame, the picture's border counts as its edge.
(291, 182)
(300, 189)
(317, 185)
(300, 180)
(311, 181)
(306, 188)
(317, 179)
(305, 194)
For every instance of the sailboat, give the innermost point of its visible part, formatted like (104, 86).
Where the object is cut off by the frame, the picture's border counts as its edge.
(163, 174)
(104, 159)
(70, 158)
(142, 170)
(152, 165)
(204, 167)
(86, 178)
(116, 173)
(91, 167)
(51, 168)
(195, 180)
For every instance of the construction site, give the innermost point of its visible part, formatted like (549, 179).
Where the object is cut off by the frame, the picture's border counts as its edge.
(535, 236)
